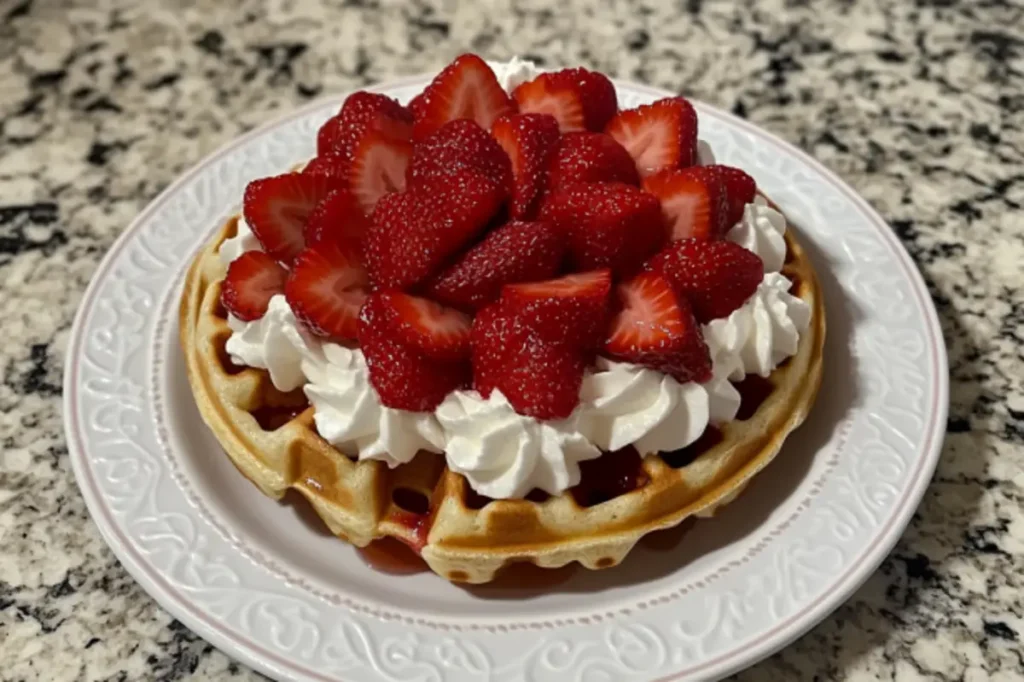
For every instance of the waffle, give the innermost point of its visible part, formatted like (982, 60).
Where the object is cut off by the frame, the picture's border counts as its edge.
(270, 437)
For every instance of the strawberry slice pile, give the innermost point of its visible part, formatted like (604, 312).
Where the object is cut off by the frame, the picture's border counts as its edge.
(494, 241)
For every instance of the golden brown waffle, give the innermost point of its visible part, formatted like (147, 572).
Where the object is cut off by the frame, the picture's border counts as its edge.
(270, 437)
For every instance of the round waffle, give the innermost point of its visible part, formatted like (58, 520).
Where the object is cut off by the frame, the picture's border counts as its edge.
(270, 437)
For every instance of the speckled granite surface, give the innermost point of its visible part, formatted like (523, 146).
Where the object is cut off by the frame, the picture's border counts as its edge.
(916, 104)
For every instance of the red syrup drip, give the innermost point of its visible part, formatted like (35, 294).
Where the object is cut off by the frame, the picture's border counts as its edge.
(677, 459)
(392, 556)
(609, 476)
(753, 391)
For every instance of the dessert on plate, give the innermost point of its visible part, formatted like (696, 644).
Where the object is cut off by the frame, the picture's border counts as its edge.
(505, 322)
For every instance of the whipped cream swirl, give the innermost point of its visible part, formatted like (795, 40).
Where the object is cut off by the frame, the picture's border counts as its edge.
(762, 230)
(761, 333)
(349, 415)
(275, 342)
(504, 454)
(626, 404)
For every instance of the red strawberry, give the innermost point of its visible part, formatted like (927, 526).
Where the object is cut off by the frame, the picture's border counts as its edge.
(547, 95)
(590, 157)
(494, 335)
(692, 202)
(378, 167)
(657, 136)
(277, 209)
(332, 165)
(543, 379)
(457, 145)
(337, 218)
(403, 377)
(329, 137)
(414, 233)
(739, 189)
(362, 111)
(597, 94)
(529, 140)
(607, 224)
(433, 330)
(326, 288)
(655, 328)
(466, 88)
(572, 309)
(252, 280)
(514, 252)
(539, 377)
(715, 277)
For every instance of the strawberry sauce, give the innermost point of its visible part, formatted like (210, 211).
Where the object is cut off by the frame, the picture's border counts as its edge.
(611, 475)
(392, 556)
(753, 390)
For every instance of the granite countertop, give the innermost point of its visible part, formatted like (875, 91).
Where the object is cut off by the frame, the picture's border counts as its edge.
(916, 104)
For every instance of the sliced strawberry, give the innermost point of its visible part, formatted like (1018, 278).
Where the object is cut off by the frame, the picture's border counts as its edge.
(655, 328)
(590, 157)
(529, 140)
(403, 377)
(494, 335)
(692, 202)
(339, 217)
(433, 330)
(597, 94)
(378, 167)
(458, 145)
(545, 94)
(332, 165)
(739, 189)
(277, 209)
(514, 252)
(414, 233)
(716, 277)
(542, 379)
(252, 280)
(658, 136)
(329, 137)
(466, 88)
(607, 224)
(571, 309)
(326, 288)
(362, 111)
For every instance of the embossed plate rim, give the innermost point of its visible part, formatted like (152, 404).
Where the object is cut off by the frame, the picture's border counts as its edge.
(761, 645)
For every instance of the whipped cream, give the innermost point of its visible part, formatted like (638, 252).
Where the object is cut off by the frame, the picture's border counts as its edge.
(762, 230)
(626, 404)
(275, 342)
(504, 454)
(244, 240)
(631, 405)
(346, 410)
(515, 72)
(349, 415)
(761, 333)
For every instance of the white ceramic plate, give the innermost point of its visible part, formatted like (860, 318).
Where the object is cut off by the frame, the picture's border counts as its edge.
(261, 582)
